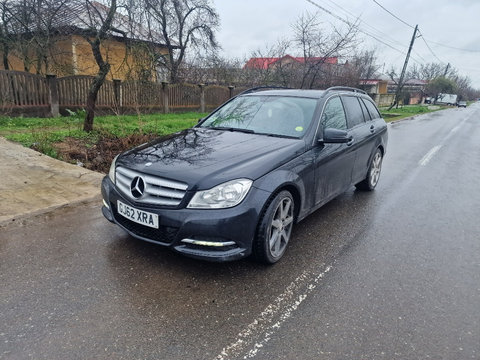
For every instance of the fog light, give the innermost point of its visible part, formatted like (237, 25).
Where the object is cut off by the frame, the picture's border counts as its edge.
(209, 243)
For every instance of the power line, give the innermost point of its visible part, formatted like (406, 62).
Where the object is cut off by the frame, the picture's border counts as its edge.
(452, 47)
(350, 24)
(395, 16)
(329, 12)
(429, 48)
(361, 30)
(423, 38)
(379, 32)
(375, 33)
(420, 56)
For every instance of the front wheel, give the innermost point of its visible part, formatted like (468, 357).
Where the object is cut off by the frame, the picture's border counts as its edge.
(373, 174)
(275, 228)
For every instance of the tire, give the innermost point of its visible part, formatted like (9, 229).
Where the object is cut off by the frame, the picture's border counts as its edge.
(373, 174)
(274, 229)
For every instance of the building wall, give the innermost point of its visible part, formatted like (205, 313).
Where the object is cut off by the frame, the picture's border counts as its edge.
(61, 58)
(383, 99)
(382, 87)
(72, 55)
(416, 99)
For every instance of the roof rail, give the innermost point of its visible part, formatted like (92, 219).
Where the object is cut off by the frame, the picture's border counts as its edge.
(248, 91)
(345, 88)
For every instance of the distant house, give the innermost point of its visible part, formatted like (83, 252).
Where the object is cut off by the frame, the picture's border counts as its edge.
(377, 89)
(374, 86)
(130, 55)
(264, 63)
(411, 85)
(414, 90)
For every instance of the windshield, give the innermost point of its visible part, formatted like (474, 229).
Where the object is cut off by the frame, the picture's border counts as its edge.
(271, 115)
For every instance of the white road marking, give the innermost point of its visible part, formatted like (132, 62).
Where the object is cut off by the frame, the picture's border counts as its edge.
(261, 330)
(455, 129)
(428, 156)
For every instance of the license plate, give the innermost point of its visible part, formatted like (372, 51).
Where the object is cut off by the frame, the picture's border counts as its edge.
(138, 216)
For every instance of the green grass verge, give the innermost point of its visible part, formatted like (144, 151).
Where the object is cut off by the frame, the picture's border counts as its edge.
(43, 132)
(407, 111)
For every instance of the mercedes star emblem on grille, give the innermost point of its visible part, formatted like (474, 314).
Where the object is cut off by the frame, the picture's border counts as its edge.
(137, 187)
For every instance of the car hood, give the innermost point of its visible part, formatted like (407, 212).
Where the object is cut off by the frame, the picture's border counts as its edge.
(203, 158)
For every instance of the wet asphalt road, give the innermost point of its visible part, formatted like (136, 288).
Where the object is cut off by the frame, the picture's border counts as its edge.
(393, 274)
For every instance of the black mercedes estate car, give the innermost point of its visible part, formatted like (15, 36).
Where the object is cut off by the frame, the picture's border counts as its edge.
(235, 184)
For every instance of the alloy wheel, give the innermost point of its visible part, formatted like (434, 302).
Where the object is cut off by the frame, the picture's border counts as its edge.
(376, 168)
(281, 227)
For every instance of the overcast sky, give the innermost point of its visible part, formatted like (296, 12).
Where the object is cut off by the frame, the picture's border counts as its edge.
(249, 25)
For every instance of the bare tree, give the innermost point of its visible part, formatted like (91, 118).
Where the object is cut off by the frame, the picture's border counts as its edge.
(144, 53)
(30, 25)
(180, 25)
(364, 63)
(360, 66)
(268, 68)
(441, 78)
(463, 86)
(317, 46)
(95, 35)
(6, 39)
(16, 14)
(430, 71)
(46, 13)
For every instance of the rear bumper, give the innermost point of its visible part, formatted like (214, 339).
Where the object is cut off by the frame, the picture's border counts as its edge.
(213, 234)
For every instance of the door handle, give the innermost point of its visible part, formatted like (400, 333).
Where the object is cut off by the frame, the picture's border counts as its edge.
(372, 129)
(350, 141)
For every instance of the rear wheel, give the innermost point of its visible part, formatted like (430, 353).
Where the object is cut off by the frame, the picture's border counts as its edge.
(275, 228)
(373, 174)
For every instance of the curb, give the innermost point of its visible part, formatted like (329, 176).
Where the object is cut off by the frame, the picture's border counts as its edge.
(15, 220)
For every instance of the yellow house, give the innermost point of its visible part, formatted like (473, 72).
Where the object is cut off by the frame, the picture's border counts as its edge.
(69, 53)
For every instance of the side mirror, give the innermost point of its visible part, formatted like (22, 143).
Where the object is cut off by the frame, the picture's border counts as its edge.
(335, 136)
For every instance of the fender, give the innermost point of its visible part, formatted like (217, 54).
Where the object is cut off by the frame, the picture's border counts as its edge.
(297, 174)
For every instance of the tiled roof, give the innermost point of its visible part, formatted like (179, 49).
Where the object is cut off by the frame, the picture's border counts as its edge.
(75, 17)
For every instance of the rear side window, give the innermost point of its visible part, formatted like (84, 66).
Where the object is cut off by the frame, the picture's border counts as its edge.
(366, 115)
(333, 115)
(354, 111)
(372, 109)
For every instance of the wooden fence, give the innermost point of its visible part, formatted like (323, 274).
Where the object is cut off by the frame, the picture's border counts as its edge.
(73, 92)
(30, 94)
(22, 89)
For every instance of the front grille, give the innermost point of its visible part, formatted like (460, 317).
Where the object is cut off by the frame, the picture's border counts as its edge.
(158, 191)
(164, 234)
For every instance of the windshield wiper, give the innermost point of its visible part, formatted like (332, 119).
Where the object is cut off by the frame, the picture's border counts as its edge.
(248, 131)
(280, 136)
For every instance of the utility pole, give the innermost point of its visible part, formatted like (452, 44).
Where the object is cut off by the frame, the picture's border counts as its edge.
(446, 70)
(400, 82)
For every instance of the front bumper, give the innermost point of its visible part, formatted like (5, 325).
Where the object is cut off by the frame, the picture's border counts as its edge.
(208, 234)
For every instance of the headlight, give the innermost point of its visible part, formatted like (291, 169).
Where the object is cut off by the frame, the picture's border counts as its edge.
(111, 173)
(223, 196)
